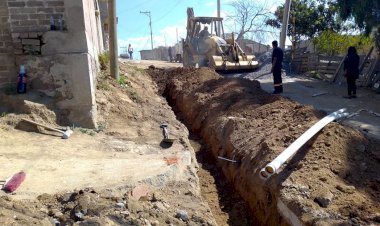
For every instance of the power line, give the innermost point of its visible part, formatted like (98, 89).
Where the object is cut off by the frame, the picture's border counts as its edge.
(167, 13)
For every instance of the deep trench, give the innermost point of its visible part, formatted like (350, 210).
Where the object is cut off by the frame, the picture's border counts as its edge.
(226, 204)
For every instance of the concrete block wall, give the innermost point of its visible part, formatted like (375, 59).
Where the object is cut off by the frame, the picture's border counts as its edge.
(7, 66)
(34, 15)
(29, 19)
(60, 64)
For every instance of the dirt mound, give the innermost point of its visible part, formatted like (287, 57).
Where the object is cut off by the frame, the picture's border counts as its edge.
(333, 179)
(15, 107)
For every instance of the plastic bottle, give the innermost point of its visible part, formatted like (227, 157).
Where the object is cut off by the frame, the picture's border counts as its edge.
(52, 23)
(21, 82)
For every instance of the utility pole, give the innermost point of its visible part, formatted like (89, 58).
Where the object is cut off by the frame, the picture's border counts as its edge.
(285, 20)
(114, 63)
(218, 14)
(150, 25)
(176, 31)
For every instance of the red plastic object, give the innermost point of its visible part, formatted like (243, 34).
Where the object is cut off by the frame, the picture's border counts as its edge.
(14, 182)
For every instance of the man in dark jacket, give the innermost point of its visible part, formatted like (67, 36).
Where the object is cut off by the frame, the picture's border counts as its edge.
(351, 71)
(277, 57)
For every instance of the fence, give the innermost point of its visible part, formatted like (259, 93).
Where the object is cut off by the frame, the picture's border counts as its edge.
(330, 68)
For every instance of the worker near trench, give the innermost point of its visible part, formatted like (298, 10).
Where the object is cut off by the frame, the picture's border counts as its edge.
(277, 57)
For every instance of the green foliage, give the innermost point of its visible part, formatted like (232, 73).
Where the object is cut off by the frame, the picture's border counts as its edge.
(87, 131)
(333, 43)
(308, 18)
(3, 114)
(104, 60)
(123, 81)
(365, 12)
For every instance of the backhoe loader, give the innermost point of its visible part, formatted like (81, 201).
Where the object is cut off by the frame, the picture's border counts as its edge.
(204, 48)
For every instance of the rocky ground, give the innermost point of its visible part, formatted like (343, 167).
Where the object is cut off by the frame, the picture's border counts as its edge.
(334, 178)
(123, 174)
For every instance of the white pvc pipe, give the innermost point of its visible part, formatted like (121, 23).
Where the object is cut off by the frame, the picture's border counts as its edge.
(273, 166)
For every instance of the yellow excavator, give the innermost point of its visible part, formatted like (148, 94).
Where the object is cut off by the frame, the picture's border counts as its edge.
(204, 47)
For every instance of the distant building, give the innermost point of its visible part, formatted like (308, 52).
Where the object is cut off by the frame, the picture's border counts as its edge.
(253, 47)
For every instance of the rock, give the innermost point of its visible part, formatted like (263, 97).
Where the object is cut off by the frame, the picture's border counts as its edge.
(155, 223)
(67, 197)
(44, 210)
(139, 191)
(120, 205)
(346, 189)
(79, 216)
(134, 206)
(323, 197)
(159, 206)
(182, 214)
(126, 213)
(56, 222)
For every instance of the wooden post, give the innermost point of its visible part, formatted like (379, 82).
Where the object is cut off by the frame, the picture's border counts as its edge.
(113, 39)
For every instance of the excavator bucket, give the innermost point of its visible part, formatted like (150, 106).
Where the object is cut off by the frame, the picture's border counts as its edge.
(219, 63)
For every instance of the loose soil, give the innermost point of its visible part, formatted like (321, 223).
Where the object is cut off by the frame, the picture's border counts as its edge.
(119, 174)
(333, 180)
(122, 174)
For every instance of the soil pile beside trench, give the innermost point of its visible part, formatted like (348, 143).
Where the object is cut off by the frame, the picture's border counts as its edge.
(333, 180)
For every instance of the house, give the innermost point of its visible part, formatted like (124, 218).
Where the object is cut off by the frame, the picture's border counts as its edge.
(58, 42)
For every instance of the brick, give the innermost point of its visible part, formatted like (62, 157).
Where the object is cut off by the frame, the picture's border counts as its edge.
(33, 35)
(24, 35)
(19, 17)
(55, 3)
(3, 68)
(15, 35)
(34, 3)
(45, 10)
(13, 11)
(16, 4)
(15, 23)
(59, 9)
(38, 16)
(43, 22)
(28, 22)
(20, 29)
(31, 41)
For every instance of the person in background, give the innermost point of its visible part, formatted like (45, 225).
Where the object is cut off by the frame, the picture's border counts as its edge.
(170, 54)
(351, 71)
(130, 51)
(204, 33)
(277, 57)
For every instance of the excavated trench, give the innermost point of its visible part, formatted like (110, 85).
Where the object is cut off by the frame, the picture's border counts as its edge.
(235, 119)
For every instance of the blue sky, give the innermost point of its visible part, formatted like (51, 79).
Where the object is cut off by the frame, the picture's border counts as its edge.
(168, 16)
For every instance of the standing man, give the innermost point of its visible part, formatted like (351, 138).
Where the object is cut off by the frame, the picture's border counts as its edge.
(170, 54)
(277, 57)
(130, 51)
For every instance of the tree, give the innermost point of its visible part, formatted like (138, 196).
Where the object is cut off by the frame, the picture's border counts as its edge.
(332, 43)
(366, 14)
(250, 17)
(308, 19)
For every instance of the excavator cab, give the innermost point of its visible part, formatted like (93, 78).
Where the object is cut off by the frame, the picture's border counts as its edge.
(206, 45)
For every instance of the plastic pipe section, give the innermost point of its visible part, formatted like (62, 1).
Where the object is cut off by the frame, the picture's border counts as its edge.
(273, 166)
